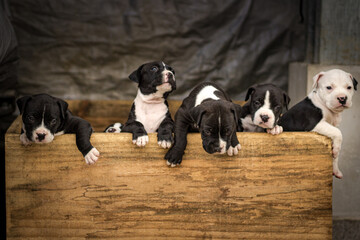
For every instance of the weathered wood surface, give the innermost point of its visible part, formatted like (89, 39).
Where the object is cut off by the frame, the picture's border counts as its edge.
(278, 187)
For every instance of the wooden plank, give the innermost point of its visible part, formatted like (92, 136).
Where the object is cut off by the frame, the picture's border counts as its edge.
(278, 187)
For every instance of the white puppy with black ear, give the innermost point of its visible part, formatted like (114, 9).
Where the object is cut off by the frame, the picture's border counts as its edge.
(320, 110)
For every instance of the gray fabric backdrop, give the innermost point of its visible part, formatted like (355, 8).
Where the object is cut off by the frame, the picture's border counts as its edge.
(86, 49)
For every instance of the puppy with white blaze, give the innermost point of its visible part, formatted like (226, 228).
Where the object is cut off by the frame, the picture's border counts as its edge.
(262, 112)
(149, 112)
(45, 117)
(321, 110)
(210, 111)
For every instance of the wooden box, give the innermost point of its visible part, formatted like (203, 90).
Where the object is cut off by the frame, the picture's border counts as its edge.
(278, 187)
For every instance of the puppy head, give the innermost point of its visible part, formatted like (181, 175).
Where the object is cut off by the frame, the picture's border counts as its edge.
(266, 104)
(335, 89)
(155, 77)
(114, 128)
(217, 122)
(41, 115)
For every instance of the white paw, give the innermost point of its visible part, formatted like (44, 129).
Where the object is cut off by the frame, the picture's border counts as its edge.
(337, 173)
(234, 150)
(171, 164)
(92, 156)
(164, 144)
(141, 141)
(276, 130)
(24, 140)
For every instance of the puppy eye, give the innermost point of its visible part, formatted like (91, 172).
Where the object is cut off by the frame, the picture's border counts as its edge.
(349, 87)
(53, 122)
(207, 132)
(257, 103)
(154, 69)
(329, 87)
(30, 118)
(277, 108)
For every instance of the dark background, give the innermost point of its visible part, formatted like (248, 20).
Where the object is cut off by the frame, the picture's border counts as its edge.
(86, 49)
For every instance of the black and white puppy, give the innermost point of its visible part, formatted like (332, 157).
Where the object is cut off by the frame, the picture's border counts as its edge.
(45, 117)
(114, 128)
(320, 110)
(149, 112)
(263, 110)
(207, 110)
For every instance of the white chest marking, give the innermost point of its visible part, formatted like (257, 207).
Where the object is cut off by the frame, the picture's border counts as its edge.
(205, 93)
(149, 112)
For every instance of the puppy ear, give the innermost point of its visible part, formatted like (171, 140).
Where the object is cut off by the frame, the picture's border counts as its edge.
(355, 83)
(63, 107)
(21, 103)
(286, 100)
(250, 91)
(196, 114)
(136, 75)
(236, 109)
(316, 79)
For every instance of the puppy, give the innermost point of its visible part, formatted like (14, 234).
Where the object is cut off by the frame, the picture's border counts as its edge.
(114, 128)
(320, 110)
(45, 117)
(149, 112)
(263, 110)
(207, 110)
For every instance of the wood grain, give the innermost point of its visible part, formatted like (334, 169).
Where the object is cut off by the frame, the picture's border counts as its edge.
(278, 187)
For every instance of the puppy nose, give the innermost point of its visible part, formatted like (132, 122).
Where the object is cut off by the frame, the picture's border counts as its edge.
(41, 136)
(342, 100)
(169, 75)
(265, 118)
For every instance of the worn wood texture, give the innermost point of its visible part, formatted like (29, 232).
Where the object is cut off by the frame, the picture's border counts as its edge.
(278, 187)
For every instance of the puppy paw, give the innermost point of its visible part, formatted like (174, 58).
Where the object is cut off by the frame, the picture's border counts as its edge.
(276, 130)
(92, 156)
(24, 140)
(338, 174)
(141, 141)
(234, 150)
(164, 144)
(173, 157)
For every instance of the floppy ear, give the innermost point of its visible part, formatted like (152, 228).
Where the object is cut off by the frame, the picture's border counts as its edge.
(63, 107)
(316, 79)
(355, 83)
(136, 75)
(21, 103)
(249, 92)
(196, 114)
(236, 110)
(286, 100)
